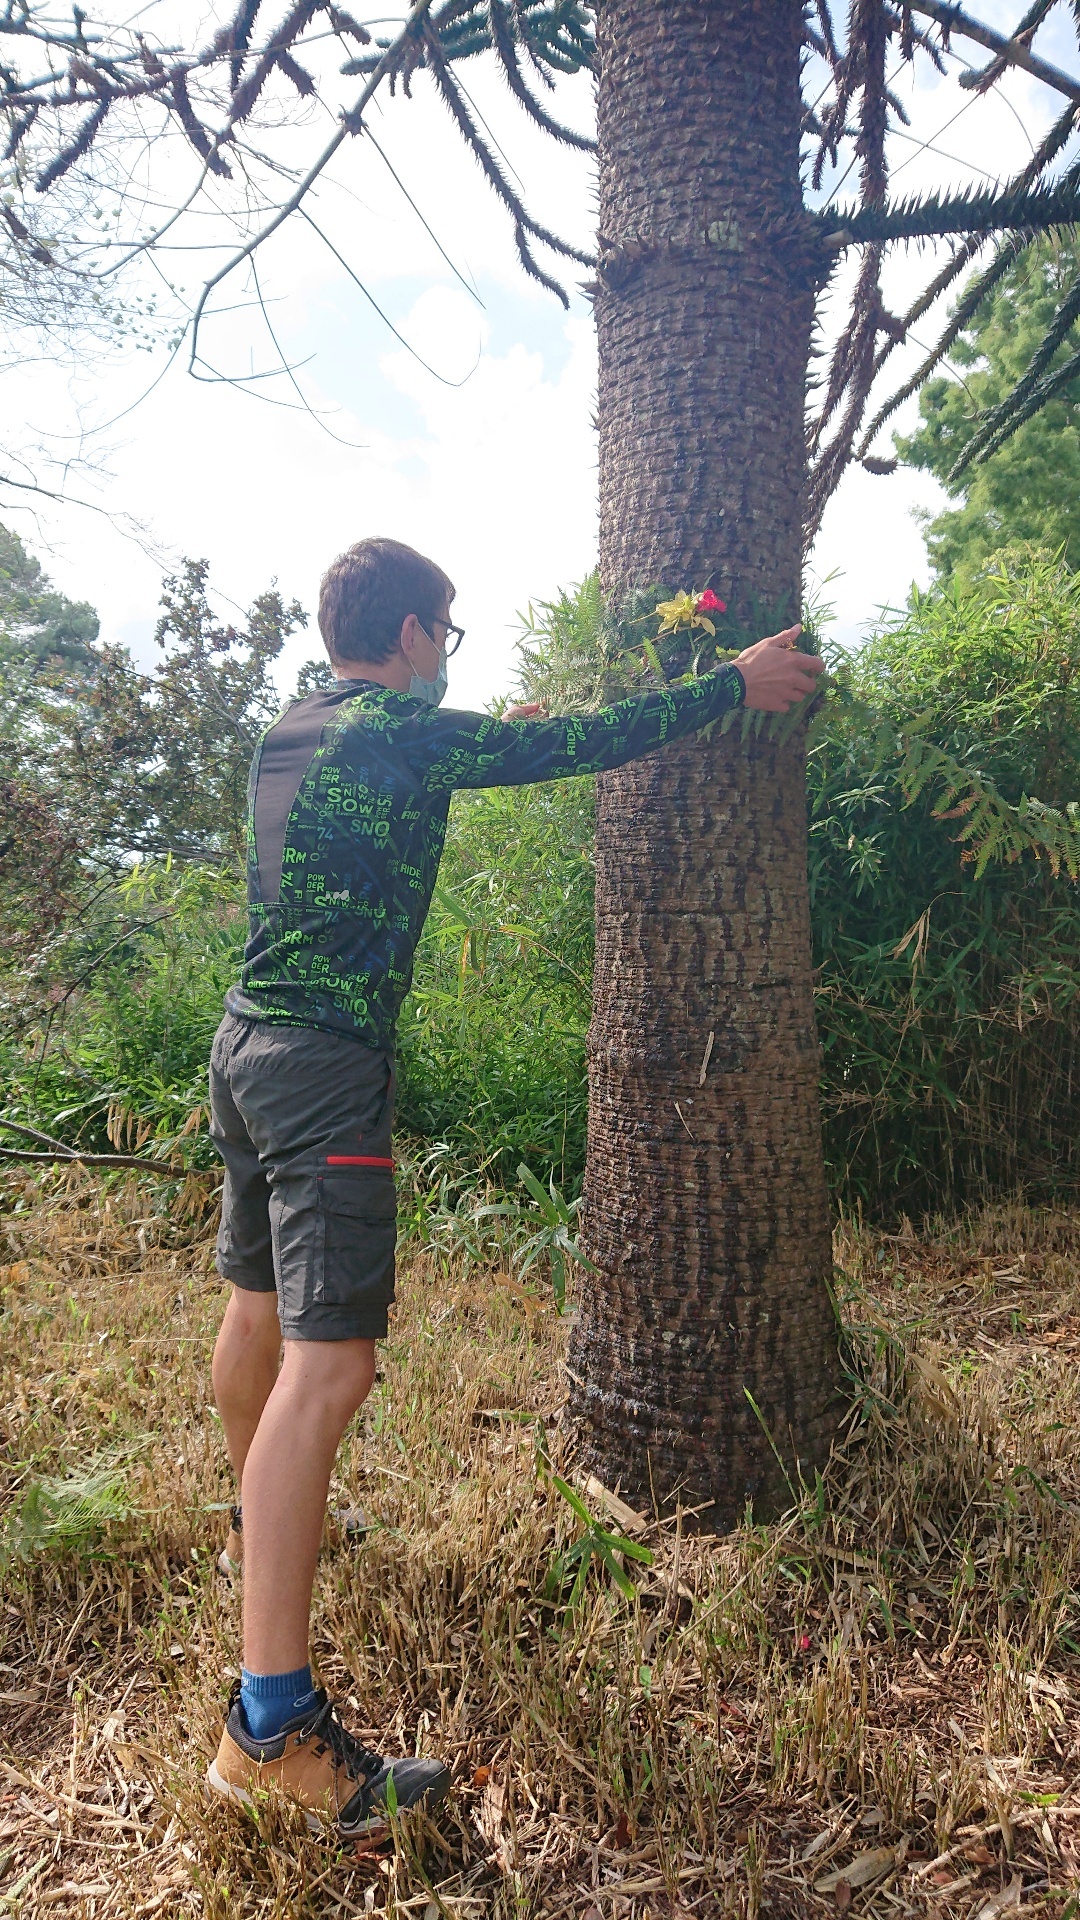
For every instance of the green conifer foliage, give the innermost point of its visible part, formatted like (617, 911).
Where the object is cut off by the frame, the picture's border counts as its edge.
(37, 624)
(1028, 489)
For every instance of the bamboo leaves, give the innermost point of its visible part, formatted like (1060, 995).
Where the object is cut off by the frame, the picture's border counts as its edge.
(553, 1236)
(596, 1546)
(945, 836)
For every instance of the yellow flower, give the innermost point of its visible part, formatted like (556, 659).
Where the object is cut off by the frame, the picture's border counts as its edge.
(683, 612)
(676, 613)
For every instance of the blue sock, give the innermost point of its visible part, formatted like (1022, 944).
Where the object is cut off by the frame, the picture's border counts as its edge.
(269, 1699)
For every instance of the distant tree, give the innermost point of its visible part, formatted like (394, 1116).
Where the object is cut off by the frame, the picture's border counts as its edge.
(1028, 488)
(157, 763)
(46, 657)
(129, 764)
(38, 625)
(313, 676)
(40, 874)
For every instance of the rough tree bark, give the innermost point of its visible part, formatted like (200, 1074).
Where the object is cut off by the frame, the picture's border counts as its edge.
(706, 1211)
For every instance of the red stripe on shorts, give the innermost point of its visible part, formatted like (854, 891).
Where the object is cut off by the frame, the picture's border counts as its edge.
(356, 1160)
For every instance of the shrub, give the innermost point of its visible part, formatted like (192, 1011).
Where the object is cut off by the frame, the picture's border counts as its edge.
(116, 1054)
(944, 850)
(945, 905)
(492, 1045)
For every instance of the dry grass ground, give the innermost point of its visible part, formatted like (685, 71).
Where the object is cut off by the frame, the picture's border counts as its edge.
(874, 1704)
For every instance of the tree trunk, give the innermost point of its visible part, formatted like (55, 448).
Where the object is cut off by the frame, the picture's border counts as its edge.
(705, 1343)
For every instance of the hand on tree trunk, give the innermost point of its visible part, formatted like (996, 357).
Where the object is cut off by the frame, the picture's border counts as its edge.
(527, 710)
(777, 676)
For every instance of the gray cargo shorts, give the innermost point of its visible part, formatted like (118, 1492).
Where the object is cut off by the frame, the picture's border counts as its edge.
(302, 1120)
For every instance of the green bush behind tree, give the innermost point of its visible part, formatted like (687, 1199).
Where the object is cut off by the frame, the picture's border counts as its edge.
(944, 847)
(948, 941)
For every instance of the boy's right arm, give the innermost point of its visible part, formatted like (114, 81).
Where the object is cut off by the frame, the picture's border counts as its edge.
(475, 750)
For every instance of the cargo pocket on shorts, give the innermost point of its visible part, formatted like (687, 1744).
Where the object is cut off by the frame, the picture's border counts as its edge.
(357, 1222)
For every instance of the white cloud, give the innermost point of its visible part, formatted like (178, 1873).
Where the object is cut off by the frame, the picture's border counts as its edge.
(496, 478)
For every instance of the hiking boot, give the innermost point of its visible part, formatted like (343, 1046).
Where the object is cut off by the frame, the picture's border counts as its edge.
(340, 1783)
(231, 1557)
(351, 1523)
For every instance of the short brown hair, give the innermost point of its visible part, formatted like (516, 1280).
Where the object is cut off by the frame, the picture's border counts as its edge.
(369, 591)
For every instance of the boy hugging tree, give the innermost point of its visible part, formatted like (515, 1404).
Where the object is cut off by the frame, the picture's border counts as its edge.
(348, 802)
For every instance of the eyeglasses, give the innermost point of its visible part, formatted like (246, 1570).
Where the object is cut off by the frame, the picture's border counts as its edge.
(451, 645)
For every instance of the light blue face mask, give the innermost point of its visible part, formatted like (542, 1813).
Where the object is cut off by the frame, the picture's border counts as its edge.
(431, 692)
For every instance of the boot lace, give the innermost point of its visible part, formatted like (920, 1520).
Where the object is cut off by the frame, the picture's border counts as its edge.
(327, 1732)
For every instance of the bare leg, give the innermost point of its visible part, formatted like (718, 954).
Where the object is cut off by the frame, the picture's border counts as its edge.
(245, 1368)
(286, 1479)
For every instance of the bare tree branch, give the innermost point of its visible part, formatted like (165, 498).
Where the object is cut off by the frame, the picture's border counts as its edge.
(979, 81)
(1013, 53)
(351, 123)
(74, 1159)
(57, 1153)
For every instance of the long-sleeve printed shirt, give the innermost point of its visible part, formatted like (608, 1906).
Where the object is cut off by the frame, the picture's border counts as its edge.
(347, 807)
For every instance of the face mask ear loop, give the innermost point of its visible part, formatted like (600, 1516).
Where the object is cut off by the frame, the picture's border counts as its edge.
(431, 692)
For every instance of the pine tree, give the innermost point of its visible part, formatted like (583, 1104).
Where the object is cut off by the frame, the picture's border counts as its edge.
(38, 625)
(1028, 489)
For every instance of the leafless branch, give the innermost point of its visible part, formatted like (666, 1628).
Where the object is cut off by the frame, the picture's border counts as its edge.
(70, 1159)
(1013, 53)
(351, 124)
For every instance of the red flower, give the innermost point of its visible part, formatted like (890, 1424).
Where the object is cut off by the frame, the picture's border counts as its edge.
(707, 602)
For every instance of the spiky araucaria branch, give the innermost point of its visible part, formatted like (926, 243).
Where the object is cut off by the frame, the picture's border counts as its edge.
(1034, 388)
(84, 78)
(501, 26)
(89, 75)
(852, 371)
(1020, 211)
(978, 81)
(1024, 215)
(974, 293)
(559, 36)
(984, 443)
(525, 227)
(982, 210)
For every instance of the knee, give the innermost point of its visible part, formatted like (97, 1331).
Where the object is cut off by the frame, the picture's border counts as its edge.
(334, 1376)
(352, 1378)
(253, 1316)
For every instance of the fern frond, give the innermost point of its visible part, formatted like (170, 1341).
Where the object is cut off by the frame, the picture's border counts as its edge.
(71, 1513)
